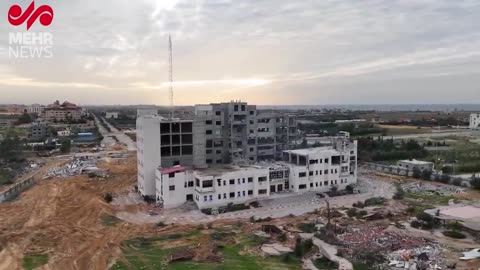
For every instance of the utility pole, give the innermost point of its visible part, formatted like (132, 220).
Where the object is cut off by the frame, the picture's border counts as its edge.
(170, 92)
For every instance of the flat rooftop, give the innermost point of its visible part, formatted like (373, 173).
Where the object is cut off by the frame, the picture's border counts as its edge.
(416, 162)
(309, 151)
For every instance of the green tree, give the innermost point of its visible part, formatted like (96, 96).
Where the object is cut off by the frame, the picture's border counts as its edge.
(25, 118)
(66, 146)
(10, 147)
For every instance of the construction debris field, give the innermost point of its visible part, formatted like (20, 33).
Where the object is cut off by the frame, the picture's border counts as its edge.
(64, 222)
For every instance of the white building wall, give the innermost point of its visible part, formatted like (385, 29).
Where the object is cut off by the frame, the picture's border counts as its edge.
(148, 153)
(475, 121)
(173, 191)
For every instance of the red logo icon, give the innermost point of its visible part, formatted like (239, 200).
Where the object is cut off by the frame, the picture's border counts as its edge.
(44, 13)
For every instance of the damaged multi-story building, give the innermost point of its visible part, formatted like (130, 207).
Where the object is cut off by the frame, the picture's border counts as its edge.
(234, 153)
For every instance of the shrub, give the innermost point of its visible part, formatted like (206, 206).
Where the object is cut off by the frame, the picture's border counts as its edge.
(108, 197)
(457, 182)
(454, 234)
(411, 209)
(362, 213)
(352, 212)
(399, 194)
(475, 182)
(375, 201)
(359, 205)
(307, 227)
(161, 224)
(415, 224)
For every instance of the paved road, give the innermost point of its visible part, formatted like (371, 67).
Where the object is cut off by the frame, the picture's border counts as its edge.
(461, 132)
(131, 145)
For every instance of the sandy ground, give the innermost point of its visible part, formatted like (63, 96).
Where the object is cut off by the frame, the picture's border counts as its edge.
(64, 219)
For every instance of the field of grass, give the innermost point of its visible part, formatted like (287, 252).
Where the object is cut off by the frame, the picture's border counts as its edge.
(151, 253)
(423, 202)
(393, 130)
(32, 261)
(465, 155)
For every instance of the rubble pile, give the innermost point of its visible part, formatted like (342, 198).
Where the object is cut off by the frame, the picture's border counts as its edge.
(376, 237)
(77, 166)
(429, 188)
(426, 257)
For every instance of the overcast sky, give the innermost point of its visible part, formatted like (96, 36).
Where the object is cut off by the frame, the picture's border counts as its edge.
(262, 52)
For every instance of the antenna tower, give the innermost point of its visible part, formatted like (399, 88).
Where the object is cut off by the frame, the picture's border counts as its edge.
(170, 91)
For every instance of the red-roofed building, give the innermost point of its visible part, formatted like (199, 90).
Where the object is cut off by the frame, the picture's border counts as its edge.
(62, 112)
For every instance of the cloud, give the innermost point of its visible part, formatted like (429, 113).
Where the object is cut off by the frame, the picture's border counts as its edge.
(317, 50)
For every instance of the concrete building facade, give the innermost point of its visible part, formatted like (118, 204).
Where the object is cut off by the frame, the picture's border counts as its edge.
(315, 169)
(238, 133)
(161, 143)
(62, 112)
(475, 120)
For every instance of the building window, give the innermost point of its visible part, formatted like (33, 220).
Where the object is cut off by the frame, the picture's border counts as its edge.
(219, 182)
(326, 160)
(302, 186)
(208, 122)
(172, 188)
(302, 174)
(250, 192)
(232, 194)
(310, 173)
(224, 195)
(325, 172)
(252, 112)
(209, 161)
(250, 179)
(219, 196)
(311, 185)
(243, 193)
(239, 181)
(313, 161)
(218, 113)
(211, 197)
(209, 132)
(204, 198)
(207, 184)
(224, 182)
(262, 179)
(262, 191)
(243, 180)
(232, 181)
(325, 183)
(218, 123)
(239, 194)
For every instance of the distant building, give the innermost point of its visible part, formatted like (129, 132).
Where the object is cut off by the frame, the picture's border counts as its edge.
(475, 120)
(37, 131)
(35, 109)
(413, 163)
(8, 121)
(146, 111)
(62, 112)
(111, 115)
(64, 133)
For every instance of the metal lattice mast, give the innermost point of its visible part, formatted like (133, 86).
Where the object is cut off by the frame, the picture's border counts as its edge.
(170, 93)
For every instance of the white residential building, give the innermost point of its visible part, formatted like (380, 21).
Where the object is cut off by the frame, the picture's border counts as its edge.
(35, 109)
(315, 169)
(475, 120)
(411, 164)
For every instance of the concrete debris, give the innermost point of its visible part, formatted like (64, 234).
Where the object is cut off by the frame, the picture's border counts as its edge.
(376, 237)
(275, 249)
(431, 188)
(471, 255)
(78, 166)
(426, 257)
(261, 234)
